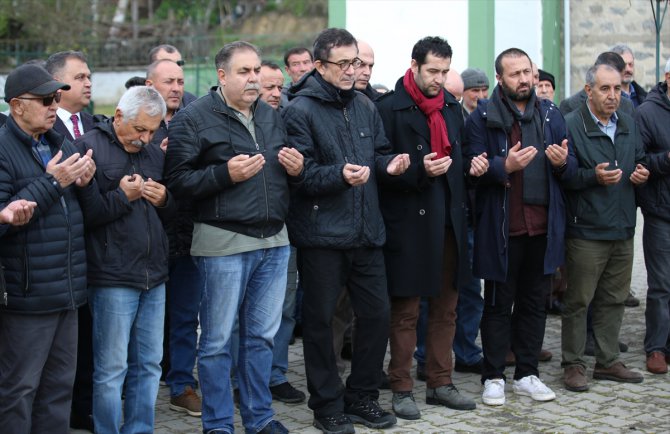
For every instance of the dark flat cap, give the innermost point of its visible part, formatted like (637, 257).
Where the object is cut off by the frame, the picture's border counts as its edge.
(546, 76)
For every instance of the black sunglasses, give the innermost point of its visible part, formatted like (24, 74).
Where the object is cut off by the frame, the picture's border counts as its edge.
(180, 62)
(46, 100)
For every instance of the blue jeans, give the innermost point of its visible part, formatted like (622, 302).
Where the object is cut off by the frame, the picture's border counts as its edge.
(251, 284)
(283, 336)
(183, 306)
(468, 315)
(656, 244)
(127, 345)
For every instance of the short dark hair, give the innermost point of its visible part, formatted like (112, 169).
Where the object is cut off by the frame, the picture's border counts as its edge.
(510, 52)
(612, 59)
(332, 38)
(56, 62)
(222, 59)
(135, 81)
(154, 51)
(431, 44)
(297, 50)
(271, 65)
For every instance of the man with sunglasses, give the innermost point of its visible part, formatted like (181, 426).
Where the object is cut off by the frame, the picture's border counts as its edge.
(335, 222)
(44, 261)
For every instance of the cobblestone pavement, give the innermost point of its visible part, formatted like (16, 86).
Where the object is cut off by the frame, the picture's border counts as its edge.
(606, 407)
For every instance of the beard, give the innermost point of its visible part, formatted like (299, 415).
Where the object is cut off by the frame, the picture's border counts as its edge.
(516, 95)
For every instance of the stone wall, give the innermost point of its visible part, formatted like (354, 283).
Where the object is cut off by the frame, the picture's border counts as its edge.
(598, 25)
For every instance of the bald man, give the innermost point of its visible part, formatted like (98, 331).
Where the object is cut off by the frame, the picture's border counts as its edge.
(364, 72)
(454, 84)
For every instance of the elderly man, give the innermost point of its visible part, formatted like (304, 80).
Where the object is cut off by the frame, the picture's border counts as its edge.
(272, 83)
(475, 87)
(227, 152)
(629, 87)
(601, 214)
(654, 200)
(127, 262)
(336, 224)
(298, 61)
(44, 262)
(546, 86)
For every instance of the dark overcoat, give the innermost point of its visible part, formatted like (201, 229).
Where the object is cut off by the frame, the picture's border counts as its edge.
(417, 208)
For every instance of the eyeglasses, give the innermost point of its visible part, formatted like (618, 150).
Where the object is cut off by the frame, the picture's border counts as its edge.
(345, 64)
(46, 100)
(181, 62)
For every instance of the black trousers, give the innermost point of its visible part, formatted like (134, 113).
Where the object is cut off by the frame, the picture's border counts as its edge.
(515, 310)
(82, 396)
(323, 273)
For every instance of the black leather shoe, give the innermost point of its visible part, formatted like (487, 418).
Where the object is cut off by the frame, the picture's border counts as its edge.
(79, 421)
(631, 300)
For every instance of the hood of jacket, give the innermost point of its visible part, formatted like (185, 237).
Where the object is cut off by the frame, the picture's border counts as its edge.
(659, 96)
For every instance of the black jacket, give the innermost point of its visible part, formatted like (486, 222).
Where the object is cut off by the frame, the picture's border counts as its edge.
(203, 136)
(44, 261)
(653, 120)
(126, 243)
(87, 121)
(640, 93)
(416, 207)
(326, 211)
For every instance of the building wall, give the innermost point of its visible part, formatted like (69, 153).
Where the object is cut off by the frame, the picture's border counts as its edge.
(597, 26)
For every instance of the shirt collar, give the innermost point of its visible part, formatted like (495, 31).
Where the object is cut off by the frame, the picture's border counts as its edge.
(613, 119)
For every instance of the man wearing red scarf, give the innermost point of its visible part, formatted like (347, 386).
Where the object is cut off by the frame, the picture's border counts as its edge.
(424, 214)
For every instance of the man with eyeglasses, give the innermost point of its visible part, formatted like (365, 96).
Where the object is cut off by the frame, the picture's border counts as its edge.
(335, 222)
(44, 261)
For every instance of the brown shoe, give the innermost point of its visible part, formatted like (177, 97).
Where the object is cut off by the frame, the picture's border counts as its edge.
(545, 355)
(574, 378)
(188, 402)
(656, 363)
(617, 372)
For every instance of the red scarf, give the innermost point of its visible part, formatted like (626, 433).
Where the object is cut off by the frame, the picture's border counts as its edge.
(432, 108)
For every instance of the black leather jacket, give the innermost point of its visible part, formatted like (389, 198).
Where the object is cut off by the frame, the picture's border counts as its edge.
(203, 136)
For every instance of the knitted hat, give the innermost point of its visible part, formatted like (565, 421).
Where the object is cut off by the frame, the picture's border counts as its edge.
(474, 77)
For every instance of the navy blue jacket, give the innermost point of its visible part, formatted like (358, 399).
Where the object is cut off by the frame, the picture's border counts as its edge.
(484, 134)
(44, 261)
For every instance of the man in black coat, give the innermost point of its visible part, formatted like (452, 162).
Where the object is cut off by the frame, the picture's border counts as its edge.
(335, 222)
(424, 214)
(44, 261)
(72, 121)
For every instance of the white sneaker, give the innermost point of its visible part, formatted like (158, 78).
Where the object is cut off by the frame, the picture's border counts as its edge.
(494, 392)
(533, 387)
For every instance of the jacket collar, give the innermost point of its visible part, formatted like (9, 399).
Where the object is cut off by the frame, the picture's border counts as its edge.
(591, 128)
(219, 105)
(54, 138)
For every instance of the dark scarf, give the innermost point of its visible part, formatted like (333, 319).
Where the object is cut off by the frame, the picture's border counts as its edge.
(344, 96)
(432, 108)
(535, 183)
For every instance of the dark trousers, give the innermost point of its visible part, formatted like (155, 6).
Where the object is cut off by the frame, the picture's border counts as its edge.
(324, 272)
(440, 329)
(515, 310)
(82, 396)
(39, 355)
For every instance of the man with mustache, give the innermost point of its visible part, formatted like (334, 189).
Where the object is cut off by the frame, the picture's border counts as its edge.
(520, 222)
(228, 154)
(629, 87)
(336, 224)
(127, 261)
(601, 212)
